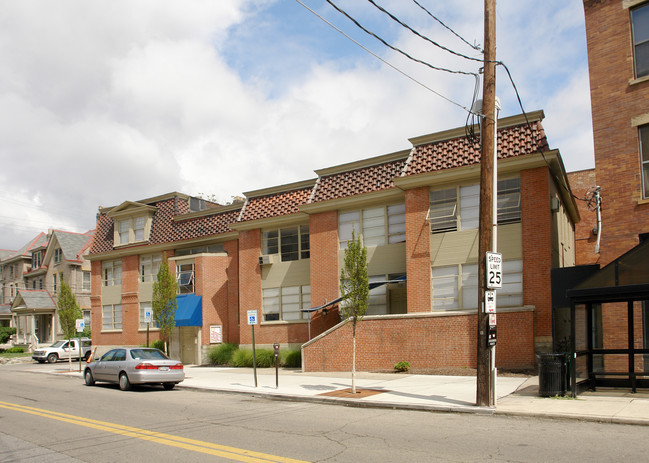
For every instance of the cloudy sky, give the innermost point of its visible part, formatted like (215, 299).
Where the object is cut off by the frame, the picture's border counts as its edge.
(114, 100)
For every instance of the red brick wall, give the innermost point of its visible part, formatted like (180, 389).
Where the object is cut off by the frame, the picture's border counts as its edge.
(211, 282)
(426, 341)
(249, 280)
(614, 102)
(537, 256)
(323, 231)
(418, 251)
(581, 183)
(231, 331)
(95, 301)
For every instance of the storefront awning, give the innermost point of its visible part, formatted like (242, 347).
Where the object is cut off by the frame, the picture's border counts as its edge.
(190, 310)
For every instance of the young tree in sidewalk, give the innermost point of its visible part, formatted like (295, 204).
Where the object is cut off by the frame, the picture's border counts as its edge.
(69, 311)
(164, 302)
(355, 290)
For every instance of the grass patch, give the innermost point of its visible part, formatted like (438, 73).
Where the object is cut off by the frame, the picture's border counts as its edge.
(222, 354)
(9, 355)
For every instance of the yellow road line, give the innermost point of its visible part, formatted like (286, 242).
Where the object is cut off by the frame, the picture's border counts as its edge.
(225, 451)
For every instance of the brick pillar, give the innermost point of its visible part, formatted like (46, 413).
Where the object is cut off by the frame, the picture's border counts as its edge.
(212, 284)
(325, 274)
(231, 332)
(130, 300)
(418, 250)
(249, 280)
(95, 301)
(537, 252)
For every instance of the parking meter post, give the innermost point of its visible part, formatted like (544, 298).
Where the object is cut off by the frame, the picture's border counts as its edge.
(147, 334)
(254, 358)
(276, 353)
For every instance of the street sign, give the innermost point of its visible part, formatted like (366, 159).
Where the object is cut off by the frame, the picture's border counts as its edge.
(79, 324)
(148, 315)
(252, 317)
(494, 270)
(492, 319)
(490, 301)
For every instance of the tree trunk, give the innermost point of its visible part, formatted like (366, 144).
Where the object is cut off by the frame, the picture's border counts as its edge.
(354, 358)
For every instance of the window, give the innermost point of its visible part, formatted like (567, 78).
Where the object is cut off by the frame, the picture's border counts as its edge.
(640, 26)
(149, 267)
(449, 206)
(153, 324)
(54, 286)
(643, 132)
(212, 249)
(112, 273)
(291, 243)
(111, 317)
(86, 318)
(33, 284)
(37, 260)
(85, 283)
(185, 278)
(456, 286)
(40, 284)
(377, 226)
(131, 230)
(285, 303)
(58, 255)
(443, 210)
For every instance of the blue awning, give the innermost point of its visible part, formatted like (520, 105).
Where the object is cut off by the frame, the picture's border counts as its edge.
(190, 310)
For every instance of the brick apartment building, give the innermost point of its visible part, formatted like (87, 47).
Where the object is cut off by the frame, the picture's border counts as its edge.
(280, 253)
(618, 59)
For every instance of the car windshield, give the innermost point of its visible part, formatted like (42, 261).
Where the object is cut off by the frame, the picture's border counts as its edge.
(148, 354)
(58, 343)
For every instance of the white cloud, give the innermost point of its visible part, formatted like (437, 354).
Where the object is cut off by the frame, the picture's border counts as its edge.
(112, 100)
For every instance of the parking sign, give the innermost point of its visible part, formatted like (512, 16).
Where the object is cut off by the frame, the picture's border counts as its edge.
(252, 317)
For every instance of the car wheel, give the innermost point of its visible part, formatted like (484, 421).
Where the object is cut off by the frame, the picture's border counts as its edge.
(90, 381)
(168, 386)
(124, 383)
(52, 358)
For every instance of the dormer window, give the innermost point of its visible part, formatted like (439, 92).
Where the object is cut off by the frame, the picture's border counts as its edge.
(132, 223)
(37, 260)
(58, 255)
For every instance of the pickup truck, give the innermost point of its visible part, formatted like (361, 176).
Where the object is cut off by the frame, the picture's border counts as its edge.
(60, 350)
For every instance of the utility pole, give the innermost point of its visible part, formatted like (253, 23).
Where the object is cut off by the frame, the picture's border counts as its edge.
(488, 137)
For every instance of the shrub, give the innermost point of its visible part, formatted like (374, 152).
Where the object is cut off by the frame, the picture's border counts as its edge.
(158, 344)
(265, 358)
(291, 358)
(242, 358)
(402, 366)
(6, 332)
(222, 354)
(15, 350)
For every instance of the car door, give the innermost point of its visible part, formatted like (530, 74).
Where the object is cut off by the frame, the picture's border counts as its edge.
(114, 366)
(99, 367)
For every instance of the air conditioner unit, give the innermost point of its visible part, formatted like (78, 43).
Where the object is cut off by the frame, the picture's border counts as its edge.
(264, 260)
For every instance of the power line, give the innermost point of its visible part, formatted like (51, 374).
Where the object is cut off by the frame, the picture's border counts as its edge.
(398, 50)
(403, 73)
(474, 46)
(421, 36)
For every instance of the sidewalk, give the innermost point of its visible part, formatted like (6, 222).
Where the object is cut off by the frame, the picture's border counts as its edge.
(517, 396)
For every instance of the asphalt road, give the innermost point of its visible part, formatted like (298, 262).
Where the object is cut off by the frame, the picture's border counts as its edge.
(50, 418)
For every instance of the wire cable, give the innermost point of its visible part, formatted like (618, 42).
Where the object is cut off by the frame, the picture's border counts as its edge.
(421, 36)
(403, 73)
(474, 46)
(398, 50)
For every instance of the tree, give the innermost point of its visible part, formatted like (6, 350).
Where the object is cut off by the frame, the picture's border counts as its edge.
(164, 301)
(69, 312)
(355, 290)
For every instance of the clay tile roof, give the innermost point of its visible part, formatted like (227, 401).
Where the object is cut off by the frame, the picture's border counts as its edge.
(273, 205)
(165, 229)
(355, 182)
(457, 152)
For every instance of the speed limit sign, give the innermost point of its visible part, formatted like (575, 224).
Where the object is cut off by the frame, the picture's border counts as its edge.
(494, 270)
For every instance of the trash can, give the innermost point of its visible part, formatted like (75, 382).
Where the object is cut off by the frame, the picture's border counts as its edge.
(552, 375)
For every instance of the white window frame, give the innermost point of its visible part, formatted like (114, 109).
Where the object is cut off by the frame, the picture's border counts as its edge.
(644, 159)
(149, 267)
(285, 303)
(58, 255)
(111, 317)
(377, 226)
(276, 241)
(131, 230)
(86, 280)
(185, 278)
(111, 273)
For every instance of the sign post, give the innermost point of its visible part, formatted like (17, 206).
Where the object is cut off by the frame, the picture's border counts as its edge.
(148, 316)
(80, 326)
(252, 321)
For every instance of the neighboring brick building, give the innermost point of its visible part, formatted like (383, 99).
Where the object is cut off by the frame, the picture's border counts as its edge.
(281, 252)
